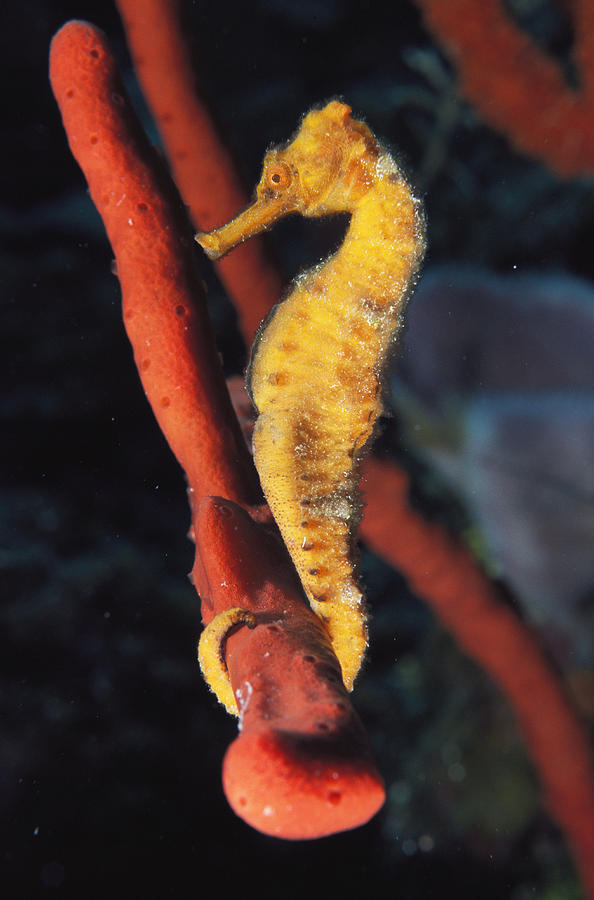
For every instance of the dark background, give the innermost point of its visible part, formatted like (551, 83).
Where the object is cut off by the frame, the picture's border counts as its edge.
(111, 744)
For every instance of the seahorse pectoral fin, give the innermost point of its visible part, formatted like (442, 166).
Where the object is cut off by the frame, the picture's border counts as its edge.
(256, 218)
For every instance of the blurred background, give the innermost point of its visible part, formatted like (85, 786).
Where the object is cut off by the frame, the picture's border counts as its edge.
(111, 745)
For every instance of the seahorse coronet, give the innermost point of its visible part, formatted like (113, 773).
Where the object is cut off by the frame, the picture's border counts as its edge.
(315, 374)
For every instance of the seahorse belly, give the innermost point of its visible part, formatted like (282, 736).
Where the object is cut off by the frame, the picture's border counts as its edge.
(314, 379)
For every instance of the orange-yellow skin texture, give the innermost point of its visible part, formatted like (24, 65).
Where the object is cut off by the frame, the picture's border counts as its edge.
(315, 373)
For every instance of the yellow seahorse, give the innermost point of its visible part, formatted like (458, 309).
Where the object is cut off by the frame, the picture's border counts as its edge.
(316, 367)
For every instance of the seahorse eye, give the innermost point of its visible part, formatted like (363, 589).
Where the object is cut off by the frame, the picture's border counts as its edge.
(279, 177)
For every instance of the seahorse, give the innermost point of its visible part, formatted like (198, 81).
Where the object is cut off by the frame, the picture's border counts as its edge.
(315, 375)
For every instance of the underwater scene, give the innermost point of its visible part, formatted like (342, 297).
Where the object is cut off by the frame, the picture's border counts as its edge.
(421, 412)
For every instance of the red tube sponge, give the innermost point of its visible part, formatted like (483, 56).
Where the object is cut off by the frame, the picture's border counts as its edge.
(445, 575)
(516, 86)
(163, 303)
(301, 766)
(202, 167)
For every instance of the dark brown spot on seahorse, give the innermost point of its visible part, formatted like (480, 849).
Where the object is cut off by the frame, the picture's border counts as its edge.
(307, 545)
(313, 524)
(372, 304)
(360, 332)
(279, 378)
(306, 430)
(348, 376)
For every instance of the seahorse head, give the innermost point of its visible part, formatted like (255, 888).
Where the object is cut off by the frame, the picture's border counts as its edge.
(325, 168)
(330, 162)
